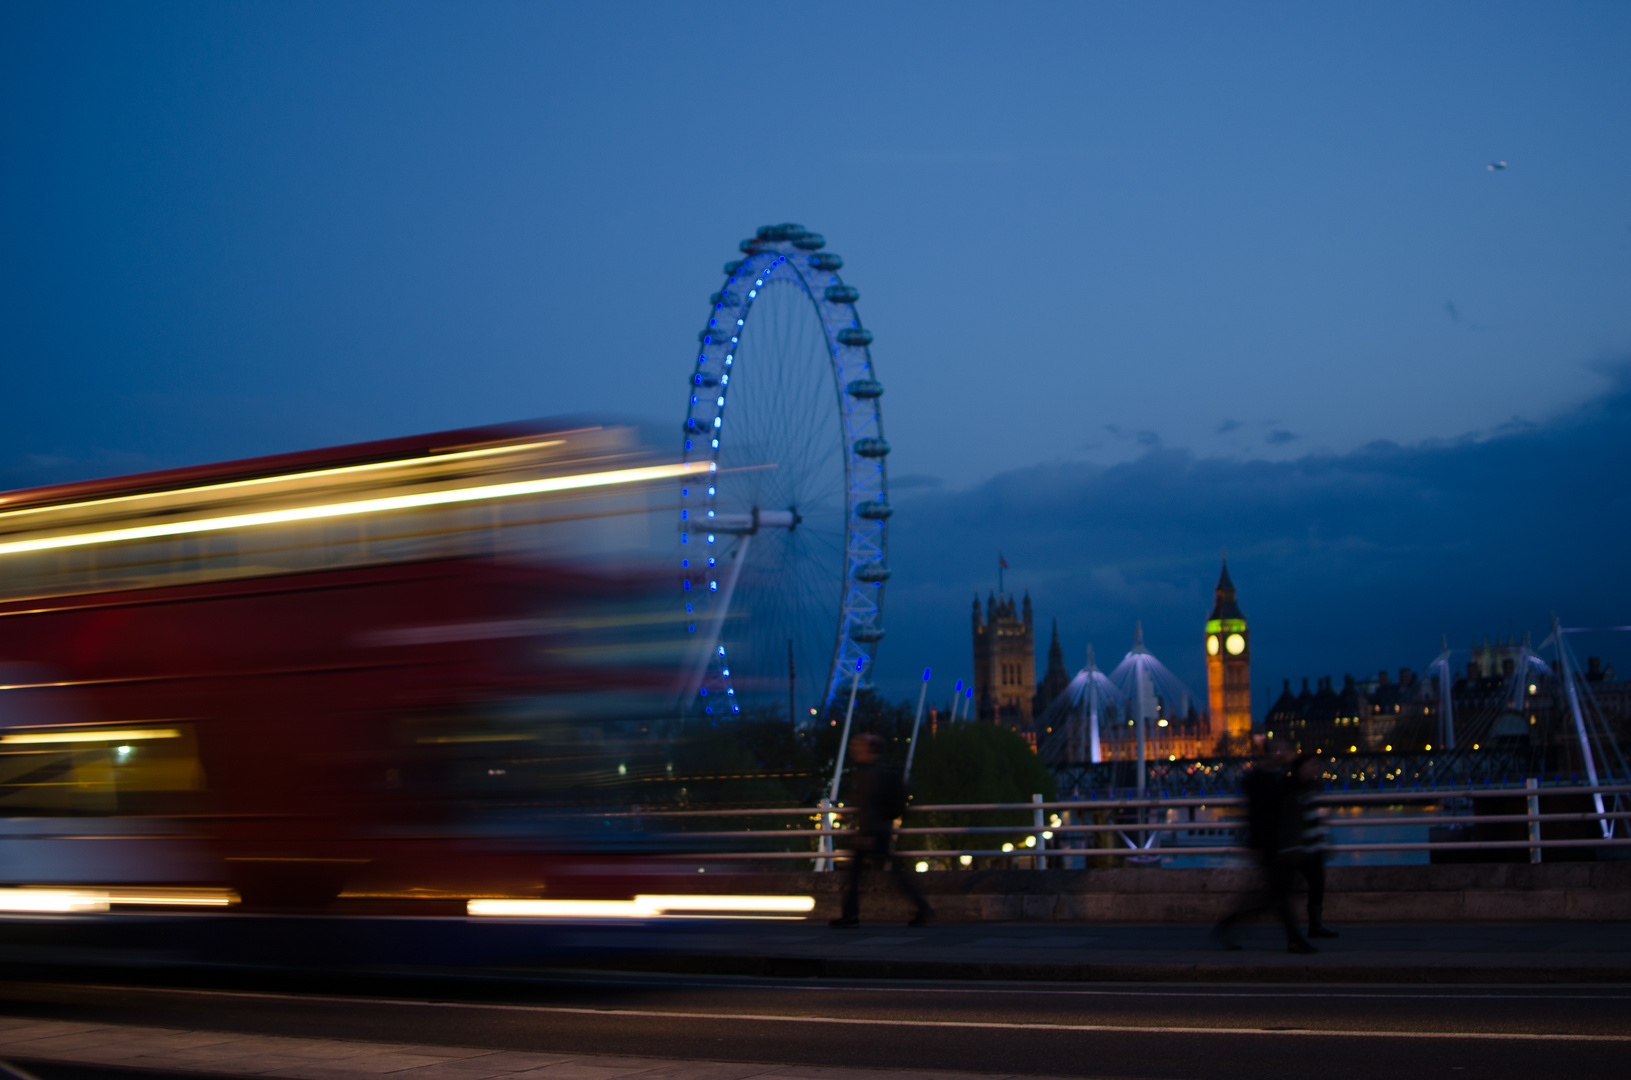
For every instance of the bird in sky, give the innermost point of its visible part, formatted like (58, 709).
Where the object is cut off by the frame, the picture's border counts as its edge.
(1496, 166)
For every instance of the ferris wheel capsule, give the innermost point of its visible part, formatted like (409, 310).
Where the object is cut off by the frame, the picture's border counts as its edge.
(785, 231)
(871, 448)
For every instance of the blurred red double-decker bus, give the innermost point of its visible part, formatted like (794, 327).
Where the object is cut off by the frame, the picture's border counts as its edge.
(399, 669)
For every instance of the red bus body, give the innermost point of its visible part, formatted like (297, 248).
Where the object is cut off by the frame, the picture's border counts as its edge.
(311, 733)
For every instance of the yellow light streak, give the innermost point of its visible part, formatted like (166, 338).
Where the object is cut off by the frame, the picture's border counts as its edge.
(648, 907)
(781, 905)
(104, 735)
(229, 485)
(540, 486)
(69, 900)
(166, 897)
(50, 900)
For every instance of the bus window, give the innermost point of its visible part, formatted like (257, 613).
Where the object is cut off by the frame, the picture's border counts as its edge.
(149, 767)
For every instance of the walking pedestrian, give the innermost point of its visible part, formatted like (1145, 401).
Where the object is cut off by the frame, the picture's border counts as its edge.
(1274, 832)
(879, 795)
(1311, 842)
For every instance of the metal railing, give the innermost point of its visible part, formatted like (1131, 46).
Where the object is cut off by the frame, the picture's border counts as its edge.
(1145, 821)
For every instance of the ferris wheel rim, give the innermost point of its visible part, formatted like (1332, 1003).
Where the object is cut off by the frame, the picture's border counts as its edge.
(791, 256)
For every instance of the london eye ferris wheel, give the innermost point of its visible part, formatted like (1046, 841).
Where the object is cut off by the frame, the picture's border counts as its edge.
(784, 538)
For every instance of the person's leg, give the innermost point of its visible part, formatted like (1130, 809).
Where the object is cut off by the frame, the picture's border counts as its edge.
(1314, 870)
(851, 914)
(1281, 877)
(906, 877)
(1255, 903)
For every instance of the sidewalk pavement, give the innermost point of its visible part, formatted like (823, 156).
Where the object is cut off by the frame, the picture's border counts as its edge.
(1372, 953)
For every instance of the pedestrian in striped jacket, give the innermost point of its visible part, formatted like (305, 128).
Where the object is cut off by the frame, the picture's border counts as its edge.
(1307, 849)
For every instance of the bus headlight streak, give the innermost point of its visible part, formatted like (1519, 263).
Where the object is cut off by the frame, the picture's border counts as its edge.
(51, 900)
(648, 907)
(94, 899)
(541, 486)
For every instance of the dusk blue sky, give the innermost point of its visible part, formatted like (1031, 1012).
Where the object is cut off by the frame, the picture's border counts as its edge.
(1147, 281)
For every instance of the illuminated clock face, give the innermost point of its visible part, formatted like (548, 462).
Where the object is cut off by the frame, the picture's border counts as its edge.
(1212, 644)
(1235, 644)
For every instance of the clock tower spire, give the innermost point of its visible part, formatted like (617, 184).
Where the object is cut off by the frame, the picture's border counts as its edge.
(1229, 668)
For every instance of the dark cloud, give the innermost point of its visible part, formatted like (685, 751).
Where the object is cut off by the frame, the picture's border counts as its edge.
(1345, 563)
(1228, 426)
(1450, 310)
(1148, 438)
(1280, 437)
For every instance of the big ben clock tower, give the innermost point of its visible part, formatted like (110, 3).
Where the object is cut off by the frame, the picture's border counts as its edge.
(1229, 668)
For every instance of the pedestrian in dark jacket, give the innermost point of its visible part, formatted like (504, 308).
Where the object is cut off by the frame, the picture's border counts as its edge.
(879, 796)
(1273, 832)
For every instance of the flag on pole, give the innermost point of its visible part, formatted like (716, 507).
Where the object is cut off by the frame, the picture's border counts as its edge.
(1002, 563)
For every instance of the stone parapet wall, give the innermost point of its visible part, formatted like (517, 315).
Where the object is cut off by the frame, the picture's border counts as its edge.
(1509, 892)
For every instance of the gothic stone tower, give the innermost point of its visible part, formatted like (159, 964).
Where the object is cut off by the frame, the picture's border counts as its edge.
(1004, 661)
(1054, 680)
(1229, 669)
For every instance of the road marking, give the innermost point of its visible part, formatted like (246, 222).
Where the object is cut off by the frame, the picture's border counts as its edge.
(1293, 992)
(975, 1025)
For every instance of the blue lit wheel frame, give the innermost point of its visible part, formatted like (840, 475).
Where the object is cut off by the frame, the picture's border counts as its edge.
(784, 545)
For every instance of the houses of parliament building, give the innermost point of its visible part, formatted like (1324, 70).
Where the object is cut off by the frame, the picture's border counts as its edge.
(1374, 714)
(1007, 691)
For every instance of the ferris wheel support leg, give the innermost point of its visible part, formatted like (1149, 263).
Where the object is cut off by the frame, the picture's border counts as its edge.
(911, 746)
(843, 739)
(1097, 754)
(1580, 732)
(709, 646)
